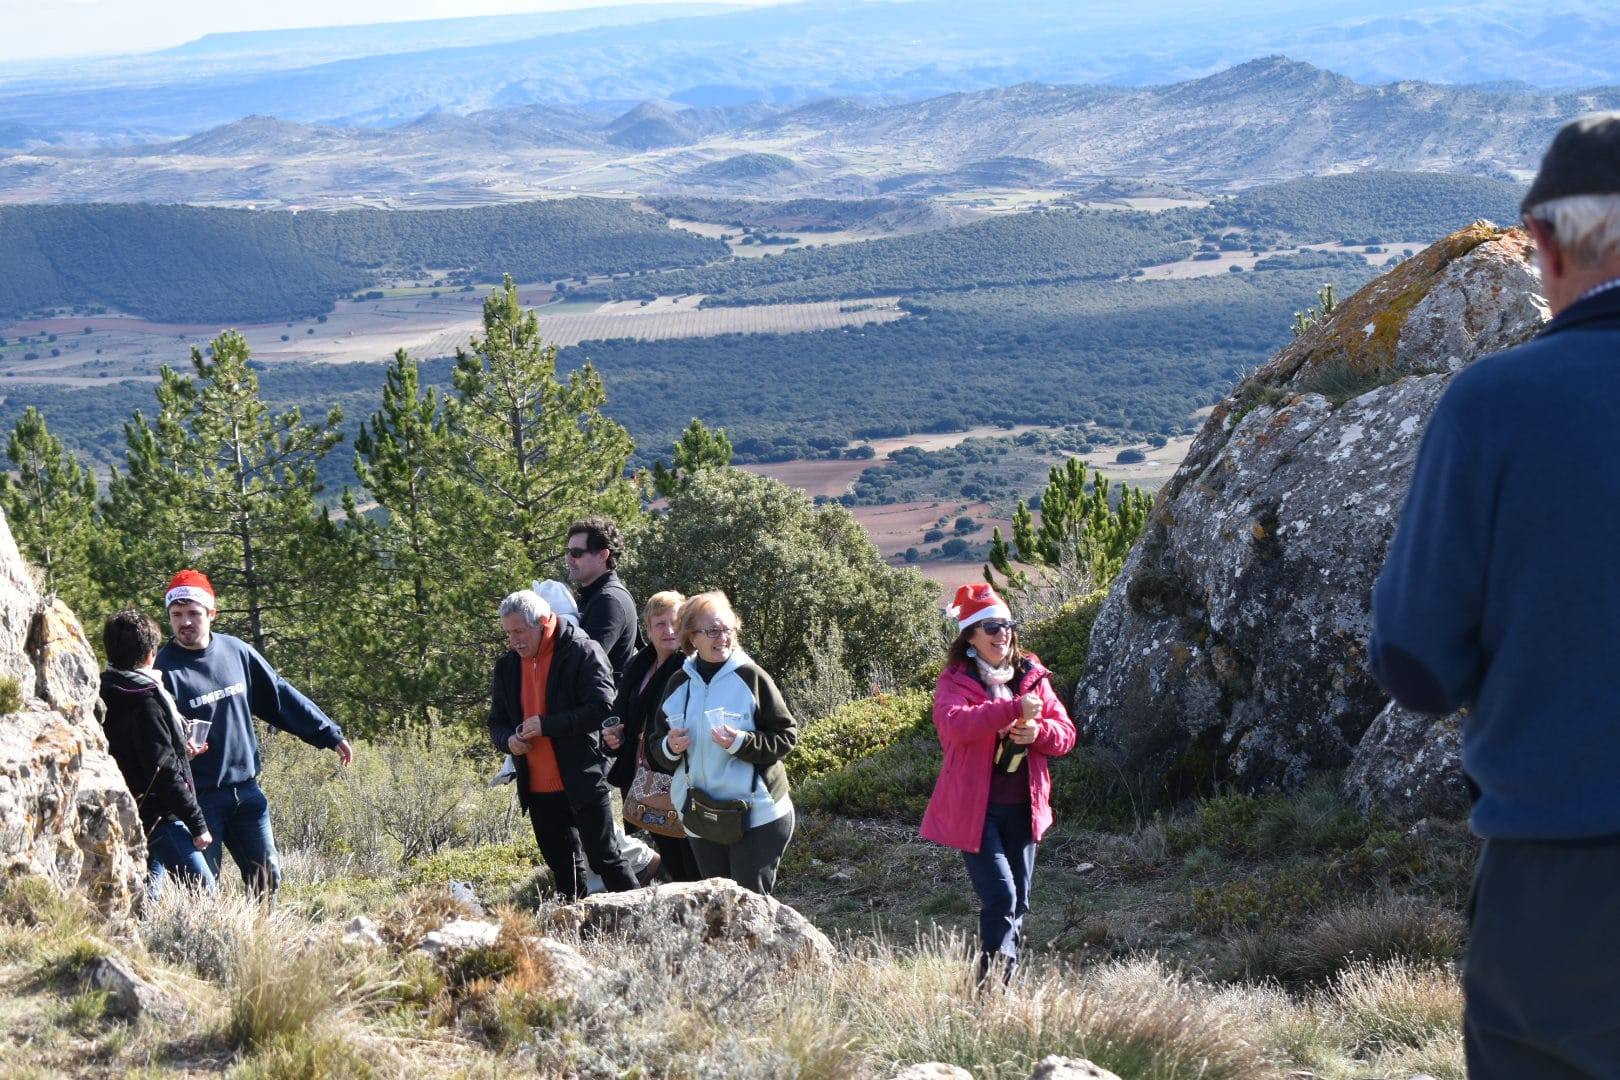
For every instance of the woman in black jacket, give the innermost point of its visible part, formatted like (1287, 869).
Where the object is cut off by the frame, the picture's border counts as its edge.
(641, 689)
(150, 741)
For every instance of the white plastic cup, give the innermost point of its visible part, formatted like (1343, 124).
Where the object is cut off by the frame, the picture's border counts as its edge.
(199, 731)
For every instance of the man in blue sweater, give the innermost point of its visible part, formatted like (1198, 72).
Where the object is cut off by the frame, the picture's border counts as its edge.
(223, 680)
(1501, 593)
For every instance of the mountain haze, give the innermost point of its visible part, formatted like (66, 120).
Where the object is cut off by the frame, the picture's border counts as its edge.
(795, 53)
(1264, 120)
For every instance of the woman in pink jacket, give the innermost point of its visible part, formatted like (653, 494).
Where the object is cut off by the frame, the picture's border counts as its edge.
(999, 722)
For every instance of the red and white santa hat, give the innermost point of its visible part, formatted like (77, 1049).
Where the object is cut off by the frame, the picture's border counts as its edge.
(975, 603)
(190, 585)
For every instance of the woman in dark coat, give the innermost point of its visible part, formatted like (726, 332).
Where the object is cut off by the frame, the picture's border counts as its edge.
(641, 689)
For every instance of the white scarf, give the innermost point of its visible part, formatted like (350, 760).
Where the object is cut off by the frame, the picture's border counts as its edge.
(997, 680)
(151, 675)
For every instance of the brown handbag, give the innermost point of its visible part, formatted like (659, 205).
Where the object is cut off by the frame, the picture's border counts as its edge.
(647, 805)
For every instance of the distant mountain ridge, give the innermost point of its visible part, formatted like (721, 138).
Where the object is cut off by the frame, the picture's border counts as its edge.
(1265, 120)
(799, 52)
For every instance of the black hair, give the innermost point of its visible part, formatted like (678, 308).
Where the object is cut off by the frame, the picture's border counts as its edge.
(601, 535)
(129, 638)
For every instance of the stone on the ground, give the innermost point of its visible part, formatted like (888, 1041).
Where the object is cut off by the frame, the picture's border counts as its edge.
(1064, 1068)
(65, 813)
(458, 936)
(932, 1070)
(570, 970)
(1232, 646)
(1409, 766)
(129, 995)
(716, 912)
(362, 931)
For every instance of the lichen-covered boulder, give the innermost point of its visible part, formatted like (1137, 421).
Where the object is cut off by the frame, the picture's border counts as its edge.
(1409, 766)
(716, 913)
(1232, 646)
(65, 812)
(1055, 1067)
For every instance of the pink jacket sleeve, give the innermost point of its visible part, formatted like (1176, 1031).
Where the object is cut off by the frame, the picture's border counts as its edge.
(1057, 732)
(960, 720)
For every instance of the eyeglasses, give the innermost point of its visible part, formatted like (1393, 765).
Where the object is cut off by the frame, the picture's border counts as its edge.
(578, 553)
(715, 633)
(996, 626)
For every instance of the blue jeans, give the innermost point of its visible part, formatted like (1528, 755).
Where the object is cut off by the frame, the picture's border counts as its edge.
(1001, 870)
(238, 816)
(169, 850)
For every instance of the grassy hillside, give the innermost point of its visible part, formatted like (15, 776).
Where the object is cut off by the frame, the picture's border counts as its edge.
(194, 264)
(1234, 938)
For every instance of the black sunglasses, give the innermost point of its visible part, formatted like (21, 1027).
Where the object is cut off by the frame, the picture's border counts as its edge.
(996, 626)
(579, 553)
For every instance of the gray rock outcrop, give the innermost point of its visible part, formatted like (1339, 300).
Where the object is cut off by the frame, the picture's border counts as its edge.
(65, 813)
(932, 1070)
(1232, 647)
(1409, 765)
(1055, 1067)
(129, 995)
(708, 913)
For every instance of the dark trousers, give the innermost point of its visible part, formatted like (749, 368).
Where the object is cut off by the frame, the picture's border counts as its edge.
(1001, 871)
(572, 835)
(679, 864)
(1542, 977)
(752, 861)
(238, 816)
(170, 853)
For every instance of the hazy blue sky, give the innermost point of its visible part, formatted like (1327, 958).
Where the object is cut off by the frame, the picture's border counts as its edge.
(36, 29)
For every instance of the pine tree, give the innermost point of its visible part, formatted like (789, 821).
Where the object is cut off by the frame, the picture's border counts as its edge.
(50, 505)
(221, 484)
(1083, 531)
(698, 448)
(402, 632)
(529, 453)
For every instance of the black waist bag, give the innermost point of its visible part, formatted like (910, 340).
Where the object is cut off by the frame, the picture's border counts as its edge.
(719, 821)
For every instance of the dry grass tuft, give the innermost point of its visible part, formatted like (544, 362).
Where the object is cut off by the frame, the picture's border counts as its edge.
(1387, 929)
(1395, 1005)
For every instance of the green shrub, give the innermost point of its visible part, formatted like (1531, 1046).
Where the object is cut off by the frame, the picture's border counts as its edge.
(1089, 790)
(1283, 896)
(397, 802)
(1063, 641)
(894, 782)
(856, 731)
(496, 871)
(10, 695)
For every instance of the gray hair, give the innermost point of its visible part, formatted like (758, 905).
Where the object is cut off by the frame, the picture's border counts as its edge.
(1587, 227)
(528, 603)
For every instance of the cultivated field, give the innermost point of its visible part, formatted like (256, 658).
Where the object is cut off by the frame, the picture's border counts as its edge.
(427, 325)
(1223, 263)
(898, 526)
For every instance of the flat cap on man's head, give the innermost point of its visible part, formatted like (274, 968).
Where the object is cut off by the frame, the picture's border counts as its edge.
(1584, 159)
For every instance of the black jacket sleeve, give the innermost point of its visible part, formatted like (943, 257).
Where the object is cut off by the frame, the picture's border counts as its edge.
(170, 789)
(580, 665)
(503, 698)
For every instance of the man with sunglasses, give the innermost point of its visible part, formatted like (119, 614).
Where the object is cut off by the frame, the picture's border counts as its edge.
(1501, 593)
(607, 612)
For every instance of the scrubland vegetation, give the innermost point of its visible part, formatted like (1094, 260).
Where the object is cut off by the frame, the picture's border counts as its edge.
(1230, 937)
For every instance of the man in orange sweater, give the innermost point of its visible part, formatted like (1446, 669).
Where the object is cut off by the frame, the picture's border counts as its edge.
(551, 691)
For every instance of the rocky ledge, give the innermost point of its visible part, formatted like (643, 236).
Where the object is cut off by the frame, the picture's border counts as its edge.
(1232, 647)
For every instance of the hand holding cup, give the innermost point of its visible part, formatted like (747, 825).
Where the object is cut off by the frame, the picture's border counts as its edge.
(680, 740)
(614, 735)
